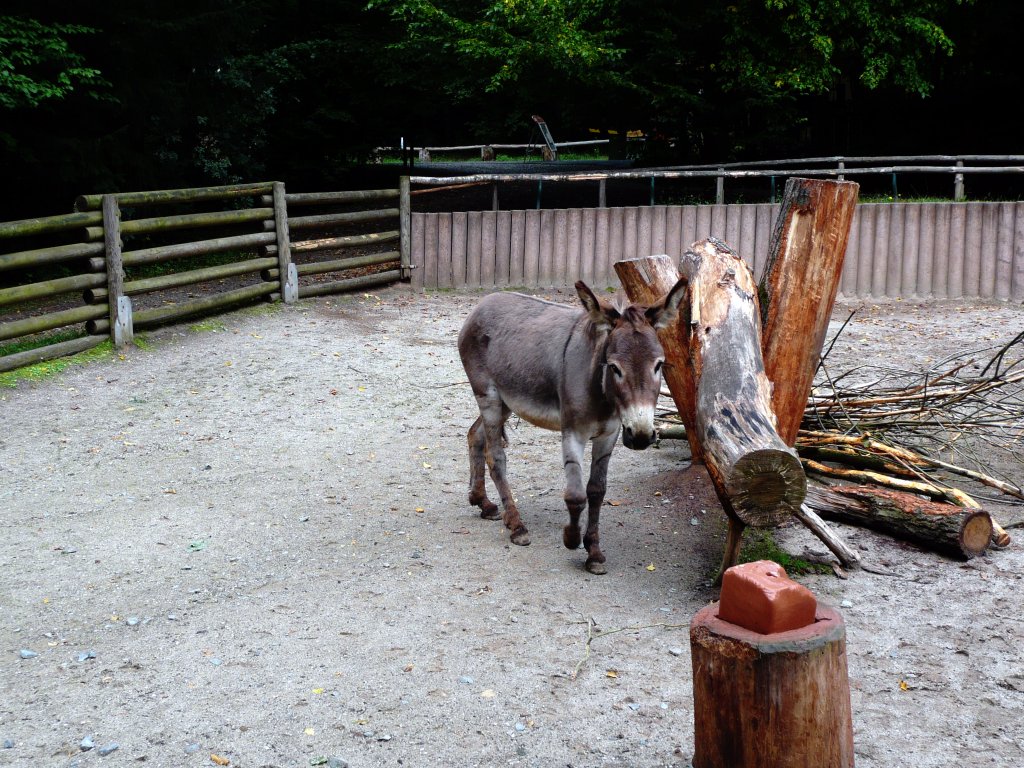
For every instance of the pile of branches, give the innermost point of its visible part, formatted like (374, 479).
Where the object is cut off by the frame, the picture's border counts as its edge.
(908, 440)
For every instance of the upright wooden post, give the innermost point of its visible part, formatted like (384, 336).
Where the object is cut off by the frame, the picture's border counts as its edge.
(958, 184)
(720, 187)
(798, 289)
(288, 274)
(405, 226)
(777, 700)
(121, 328)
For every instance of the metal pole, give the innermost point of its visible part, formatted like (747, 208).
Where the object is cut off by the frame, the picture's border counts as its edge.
(540, 187)
(895, 192)
(602, 200)
(773, 190)
(652, 190)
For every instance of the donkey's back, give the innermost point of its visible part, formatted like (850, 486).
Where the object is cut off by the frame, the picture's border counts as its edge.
(512, 346)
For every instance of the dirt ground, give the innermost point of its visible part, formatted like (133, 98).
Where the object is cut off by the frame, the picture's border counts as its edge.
(249, 542)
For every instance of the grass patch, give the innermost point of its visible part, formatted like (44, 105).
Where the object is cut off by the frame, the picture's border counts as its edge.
(50, 368)
(35, 342)
(208, 326)
(760, 544)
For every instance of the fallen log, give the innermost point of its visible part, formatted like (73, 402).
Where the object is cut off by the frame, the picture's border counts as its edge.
(959, 531)
(798, 289)
(757, 477)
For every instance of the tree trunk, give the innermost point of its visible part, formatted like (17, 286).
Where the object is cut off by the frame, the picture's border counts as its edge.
(798, 289)
(757, 477)
(770, 701)
(958, 531)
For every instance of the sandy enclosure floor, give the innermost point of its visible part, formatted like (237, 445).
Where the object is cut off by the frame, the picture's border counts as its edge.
(253, 543)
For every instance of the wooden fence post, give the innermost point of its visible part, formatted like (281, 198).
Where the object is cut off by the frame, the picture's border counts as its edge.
(120, 312)
(405, 226)
(958, 184)
(720, 187)
(288, 275)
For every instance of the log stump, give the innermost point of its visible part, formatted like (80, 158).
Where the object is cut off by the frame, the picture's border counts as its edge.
(771, 701)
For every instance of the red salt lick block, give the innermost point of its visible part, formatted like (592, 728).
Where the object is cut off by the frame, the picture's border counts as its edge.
(762, 598)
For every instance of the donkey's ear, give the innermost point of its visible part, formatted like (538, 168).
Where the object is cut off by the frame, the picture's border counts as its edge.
(662, 314)
(601, 315)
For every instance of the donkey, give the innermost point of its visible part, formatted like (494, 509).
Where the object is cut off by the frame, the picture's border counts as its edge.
(583, 372)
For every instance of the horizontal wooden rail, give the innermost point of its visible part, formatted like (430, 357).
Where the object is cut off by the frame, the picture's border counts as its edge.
(148, 318)
(164, 196)
(50, 352)
(709, 173)
(347, 241)
(337, 265)
(47, 288)
(352, 284)
(185, 221)
(334, 198)
(48, 224)
(48, 322)
(179, 279)
(162, 253)
(311, 222)
(58, 254)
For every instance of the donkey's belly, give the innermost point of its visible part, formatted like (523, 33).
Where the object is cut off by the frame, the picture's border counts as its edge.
(541, 414)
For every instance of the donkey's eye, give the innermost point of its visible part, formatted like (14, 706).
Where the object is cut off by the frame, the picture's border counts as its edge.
(658, 366)
(616, 370)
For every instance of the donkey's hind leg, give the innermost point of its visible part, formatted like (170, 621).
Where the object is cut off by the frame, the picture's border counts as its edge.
(493, 413)
(477, 493)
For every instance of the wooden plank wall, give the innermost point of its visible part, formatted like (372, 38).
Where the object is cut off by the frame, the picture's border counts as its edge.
(937, 250)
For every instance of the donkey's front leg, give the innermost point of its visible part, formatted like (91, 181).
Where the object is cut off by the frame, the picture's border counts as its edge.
(601, 451)
(575, 496)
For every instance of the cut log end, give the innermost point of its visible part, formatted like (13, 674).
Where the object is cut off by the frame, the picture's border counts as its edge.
(766, 486)
(976, 534)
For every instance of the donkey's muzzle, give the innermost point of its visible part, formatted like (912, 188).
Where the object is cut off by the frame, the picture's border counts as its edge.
(637, 440)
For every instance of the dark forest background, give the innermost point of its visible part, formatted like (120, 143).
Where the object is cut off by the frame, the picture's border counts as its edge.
(148, 94)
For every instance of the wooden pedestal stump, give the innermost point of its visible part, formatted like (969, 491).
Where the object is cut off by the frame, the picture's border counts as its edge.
(770, 701)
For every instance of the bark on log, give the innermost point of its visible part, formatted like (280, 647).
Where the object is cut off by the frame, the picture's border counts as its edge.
(770, 701)
(798, 289)
(957, 531)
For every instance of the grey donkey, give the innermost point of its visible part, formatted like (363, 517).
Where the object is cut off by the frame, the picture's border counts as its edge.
(585, 372)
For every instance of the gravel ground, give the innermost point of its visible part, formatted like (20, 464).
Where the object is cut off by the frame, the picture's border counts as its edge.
(249, 542)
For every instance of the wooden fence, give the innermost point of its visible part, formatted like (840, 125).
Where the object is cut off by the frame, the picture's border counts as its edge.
(936, 250)
(123, 265)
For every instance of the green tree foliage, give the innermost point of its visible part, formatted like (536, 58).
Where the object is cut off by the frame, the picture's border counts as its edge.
(152, 93)
(37, 63)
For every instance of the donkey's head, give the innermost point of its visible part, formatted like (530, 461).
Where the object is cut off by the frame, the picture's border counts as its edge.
(633, 358)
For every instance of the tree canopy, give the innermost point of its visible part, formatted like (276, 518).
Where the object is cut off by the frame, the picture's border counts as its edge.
(148, 93)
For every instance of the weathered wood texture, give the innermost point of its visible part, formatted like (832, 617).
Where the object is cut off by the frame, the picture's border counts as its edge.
(771, 701)
(918, 253)
(798, 289)
(760, 476)
(957, 531)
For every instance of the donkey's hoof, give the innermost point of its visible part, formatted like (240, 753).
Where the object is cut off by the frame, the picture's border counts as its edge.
(596, 568)
(521, 536)
(490, 511)
(571, 537)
